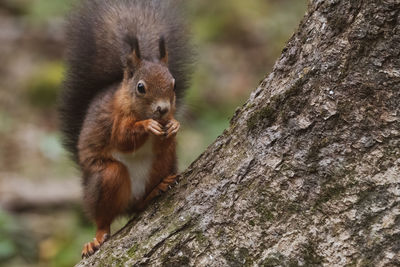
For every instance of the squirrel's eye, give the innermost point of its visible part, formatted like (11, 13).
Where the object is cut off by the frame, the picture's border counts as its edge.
(140, 88)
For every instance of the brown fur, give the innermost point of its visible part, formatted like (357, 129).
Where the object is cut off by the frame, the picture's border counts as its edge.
(106, 118)
(120, 119)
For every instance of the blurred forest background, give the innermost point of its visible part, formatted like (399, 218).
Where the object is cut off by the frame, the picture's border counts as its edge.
(41, 221)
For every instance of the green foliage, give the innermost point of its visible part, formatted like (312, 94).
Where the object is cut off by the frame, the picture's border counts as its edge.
(7, 246)
(41, 10)
(44, 85)
(15, 240)
(69, 245)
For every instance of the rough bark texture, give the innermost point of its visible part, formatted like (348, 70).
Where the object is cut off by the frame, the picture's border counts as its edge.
(308, 172)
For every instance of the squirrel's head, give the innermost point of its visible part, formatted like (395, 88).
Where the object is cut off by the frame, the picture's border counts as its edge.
(149, 87)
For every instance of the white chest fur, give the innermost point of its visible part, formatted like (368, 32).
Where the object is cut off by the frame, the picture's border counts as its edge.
(138, 164)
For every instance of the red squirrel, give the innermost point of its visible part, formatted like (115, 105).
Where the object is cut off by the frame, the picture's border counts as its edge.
(127, 69)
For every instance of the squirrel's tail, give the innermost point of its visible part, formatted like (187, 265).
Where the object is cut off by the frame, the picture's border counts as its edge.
(96, 47)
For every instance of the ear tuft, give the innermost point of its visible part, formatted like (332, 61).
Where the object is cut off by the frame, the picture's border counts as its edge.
(133, 58)
(163, 50)
(133, 44)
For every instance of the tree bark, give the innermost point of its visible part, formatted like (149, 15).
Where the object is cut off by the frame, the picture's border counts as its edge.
(307, 174)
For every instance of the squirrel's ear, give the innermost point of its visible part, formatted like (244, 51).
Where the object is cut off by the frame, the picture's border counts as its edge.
(163, 51)
(133, 60)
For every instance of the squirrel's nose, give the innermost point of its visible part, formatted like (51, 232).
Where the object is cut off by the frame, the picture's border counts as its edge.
(162, 110)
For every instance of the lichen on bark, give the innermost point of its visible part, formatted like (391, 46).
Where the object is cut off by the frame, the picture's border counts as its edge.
(308, 172)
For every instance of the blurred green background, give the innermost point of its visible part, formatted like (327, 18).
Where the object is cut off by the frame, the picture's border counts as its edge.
(41, 221)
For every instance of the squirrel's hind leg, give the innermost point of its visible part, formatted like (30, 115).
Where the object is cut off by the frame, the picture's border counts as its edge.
(107, 195)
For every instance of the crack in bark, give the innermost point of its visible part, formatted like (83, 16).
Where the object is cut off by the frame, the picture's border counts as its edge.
(161, 242)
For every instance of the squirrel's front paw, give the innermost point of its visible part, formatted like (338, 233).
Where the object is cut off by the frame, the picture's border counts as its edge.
(172, 128)
(154, 127)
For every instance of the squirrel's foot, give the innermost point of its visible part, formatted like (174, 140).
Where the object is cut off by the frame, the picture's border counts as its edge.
(172, 128)
(167, 183)
(91, 247)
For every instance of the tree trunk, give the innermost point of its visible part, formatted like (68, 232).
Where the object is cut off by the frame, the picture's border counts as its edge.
(308, 171)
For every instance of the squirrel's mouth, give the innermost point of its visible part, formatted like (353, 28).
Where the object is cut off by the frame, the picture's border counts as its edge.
(163, 119)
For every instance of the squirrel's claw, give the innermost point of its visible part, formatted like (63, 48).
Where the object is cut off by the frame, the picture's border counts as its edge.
(91, 247)
(96, 243)
(155, 131)
(88, 249)
(155, 127)
(172, 128)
